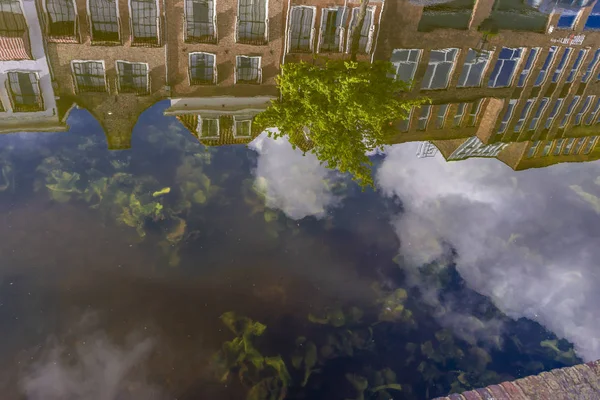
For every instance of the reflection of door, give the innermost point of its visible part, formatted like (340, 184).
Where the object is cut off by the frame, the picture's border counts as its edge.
(301, 29)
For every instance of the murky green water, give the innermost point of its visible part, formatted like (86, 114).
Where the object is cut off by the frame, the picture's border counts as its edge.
(177, 271)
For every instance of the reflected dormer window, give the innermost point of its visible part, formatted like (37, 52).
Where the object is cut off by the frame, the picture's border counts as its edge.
(242, 127)
(200, 21)
(208, 128)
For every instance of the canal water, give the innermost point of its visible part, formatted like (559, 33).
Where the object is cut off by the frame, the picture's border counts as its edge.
(179, 271)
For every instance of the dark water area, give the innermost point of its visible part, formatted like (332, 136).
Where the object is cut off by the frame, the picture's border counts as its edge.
(103, 298)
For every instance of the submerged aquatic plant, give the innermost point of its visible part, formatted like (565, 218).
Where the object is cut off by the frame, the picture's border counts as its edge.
(62, 185)
(266, 377)
(7, 177)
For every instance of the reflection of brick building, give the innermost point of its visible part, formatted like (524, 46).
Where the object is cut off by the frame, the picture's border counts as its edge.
(504, 75)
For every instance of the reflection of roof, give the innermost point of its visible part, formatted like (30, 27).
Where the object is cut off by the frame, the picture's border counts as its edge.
(581, 382)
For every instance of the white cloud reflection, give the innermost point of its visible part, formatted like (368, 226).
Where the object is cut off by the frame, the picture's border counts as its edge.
(294, 183)
(525, 239)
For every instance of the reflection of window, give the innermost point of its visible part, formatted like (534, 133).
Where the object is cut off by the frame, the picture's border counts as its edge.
(593, 21)
(475, 111)
(332, 22)
(575, 68)
(89, 76)
(570, 109)
(133, 77)
(561, 65)
(404, 125)
(544, 71)
(200, 21)
(366, 32)
(538, 113)
(24, 90)
(568, 146)
(531, 58)
(247, 69)
(105, 23)
(567, 19)
(558, 147)
(557, 106)
(440, 118)
(474, 67)
(590, 144)
(510, 109)
(584, 108)
(460, 113)
(533, 149)
(578, 145)
(242, 127)
(301, 29)
(505, 67)
(591, 66)
(202, 68)
(61, 15)
(524, 114)
(547, 148)
(441, 64)
(252, 22)
(144, 21)
(208, 128)
(424, 117)
(594, 114)
(405, 62)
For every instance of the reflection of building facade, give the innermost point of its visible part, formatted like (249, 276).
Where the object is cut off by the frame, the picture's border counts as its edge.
(535, 90)
(27, 99)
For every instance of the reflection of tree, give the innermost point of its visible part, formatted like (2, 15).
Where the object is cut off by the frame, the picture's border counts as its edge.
(345, 109)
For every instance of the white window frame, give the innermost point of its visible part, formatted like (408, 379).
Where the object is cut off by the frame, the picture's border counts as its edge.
(460, 115)
(578, 145)
(518, 62)
(214, 65)
(440, 118)
(558, 104)
(474, 112)
(533, 55)
(157, 20)
(590, 69)
(200, 124)
(237, 21)
(508, 114)
(557, 148)
(575, 21)
(591, 119)
(589, 145)
(89, 15)
(524, 114)
(370, 9)
(424, 115)
(560, 68)
(533, 149)
(407, 121)
(311, 43)
(468, 66)
(73, 62)
(543, 74)
(568, 146)
(241, 119)
(585, 107)
(537, 116)
(547, 148)
(11, 93)
(235, 72)
(565, 120)
(435, 65)
(414, 64)
(75, 20)
(322, 27)
(214, 20)
(132, 62)
(581, 55)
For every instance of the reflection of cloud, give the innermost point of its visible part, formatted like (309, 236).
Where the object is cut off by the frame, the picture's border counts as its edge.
(294, 183)
(526, 240)
(94, 368)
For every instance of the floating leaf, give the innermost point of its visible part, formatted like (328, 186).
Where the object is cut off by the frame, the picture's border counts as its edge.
(161, 192)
